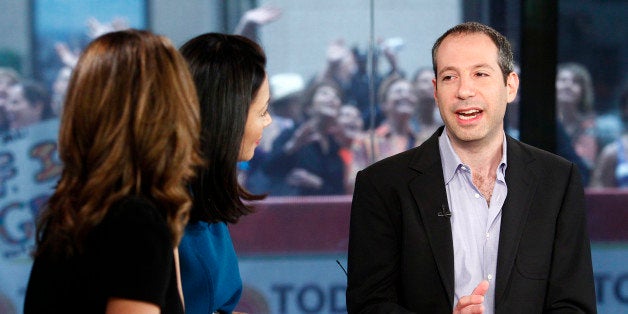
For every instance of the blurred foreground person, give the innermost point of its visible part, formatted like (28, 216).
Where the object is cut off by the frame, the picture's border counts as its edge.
(107, 239)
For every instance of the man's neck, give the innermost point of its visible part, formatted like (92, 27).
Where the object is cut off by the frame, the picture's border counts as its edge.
(482, 156)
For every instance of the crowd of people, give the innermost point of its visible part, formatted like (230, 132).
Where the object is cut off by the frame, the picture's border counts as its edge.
(315, 146)
(327, 156)
(583, 130)
(315, 150)
(321, 138)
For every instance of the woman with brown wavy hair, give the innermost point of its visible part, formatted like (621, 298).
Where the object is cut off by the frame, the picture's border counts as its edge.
(107, 239)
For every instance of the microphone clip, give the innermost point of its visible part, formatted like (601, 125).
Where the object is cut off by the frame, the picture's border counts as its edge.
(444, 212)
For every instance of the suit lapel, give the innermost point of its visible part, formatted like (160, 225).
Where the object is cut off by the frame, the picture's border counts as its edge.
(521, 183)
(429, 193)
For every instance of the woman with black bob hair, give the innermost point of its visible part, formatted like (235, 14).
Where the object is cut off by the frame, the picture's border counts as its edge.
(233, 91)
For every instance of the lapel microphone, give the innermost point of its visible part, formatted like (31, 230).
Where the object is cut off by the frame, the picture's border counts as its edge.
(444, 212)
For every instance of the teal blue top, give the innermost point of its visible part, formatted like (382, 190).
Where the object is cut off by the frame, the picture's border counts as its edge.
(209, 269)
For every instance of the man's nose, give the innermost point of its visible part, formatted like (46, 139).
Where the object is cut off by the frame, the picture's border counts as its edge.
(466, 88)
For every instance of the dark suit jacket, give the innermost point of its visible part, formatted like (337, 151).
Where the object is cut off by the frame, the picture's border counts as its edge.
(401, 251)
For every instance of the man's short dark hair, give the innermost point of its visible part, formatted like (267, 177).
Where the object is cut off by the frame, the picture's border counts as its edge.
(505, 55)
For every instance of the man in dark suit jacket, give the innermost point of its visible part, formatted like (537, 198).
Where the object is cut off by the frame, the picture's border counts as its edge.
(414, 245)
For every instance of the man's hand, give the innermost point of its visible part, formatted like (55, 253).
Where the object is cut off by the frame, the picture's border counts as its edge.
(472, 304)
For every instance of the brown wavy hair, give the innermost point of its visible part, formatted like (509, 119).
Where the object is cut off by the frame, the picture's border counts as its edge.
(130, 126)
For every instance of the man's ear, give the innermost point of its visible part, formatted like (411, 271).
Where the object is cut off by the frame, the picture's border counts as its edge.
(512, 85)
(434, 90)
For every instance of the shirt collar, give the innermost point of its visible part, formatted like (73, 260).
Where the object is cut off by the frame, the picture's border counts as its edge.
(451, 162)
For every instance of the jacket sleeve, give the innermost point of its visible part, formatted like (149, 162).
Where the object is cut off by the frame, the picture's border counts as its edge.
(571, 284)
(374, 253)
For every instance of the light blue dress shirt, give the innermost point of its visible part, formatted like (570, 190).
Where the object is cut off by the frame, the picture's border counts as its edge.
(474, 224)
